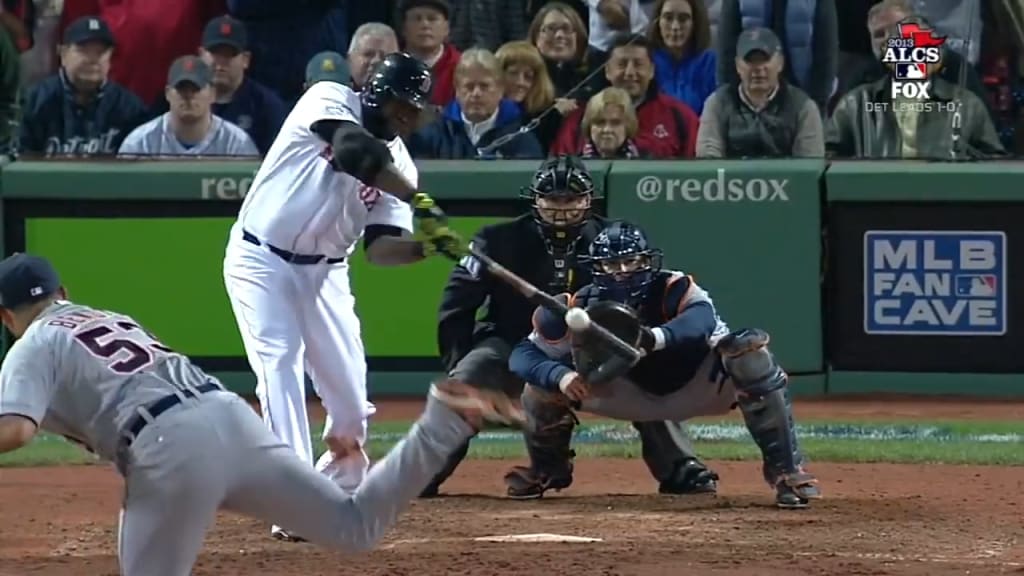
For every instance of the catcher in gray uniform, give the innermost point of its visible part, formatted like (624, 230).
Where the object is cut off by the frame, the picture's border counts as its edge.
(185, 446)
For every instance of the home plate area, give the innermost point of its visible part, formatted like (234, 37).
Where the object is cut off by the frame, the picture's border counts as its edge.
(876, 519)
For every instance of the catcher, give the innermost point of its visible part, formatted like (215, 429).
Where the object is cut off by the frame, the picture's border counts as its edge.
(673, 320)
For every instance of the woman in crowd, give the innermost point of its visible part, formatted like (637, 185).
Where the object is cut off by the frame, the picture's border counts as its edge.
(610, 124)
(560, 36)
(684, 64)
(528, 84)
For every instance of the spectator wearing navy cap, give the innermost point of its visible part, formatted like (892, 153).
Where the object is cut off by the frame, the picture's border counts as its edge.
(327, 67)
(79, 111)
(239, 99)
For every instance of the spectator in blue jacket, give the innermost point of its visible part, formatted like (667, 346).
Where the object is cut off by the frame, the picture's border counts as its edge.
(478, 117)
(243, 101)
(79, 111)
(285, 34)
(684, 64)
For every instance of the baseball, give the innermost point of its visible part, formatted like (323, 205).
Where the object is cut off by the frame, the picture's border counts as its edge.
(577, 319)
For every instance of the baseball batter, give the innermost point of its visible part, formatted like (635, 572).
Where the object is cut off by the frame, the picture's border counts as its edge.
(337, 172)
(674, 320)
(184, 445)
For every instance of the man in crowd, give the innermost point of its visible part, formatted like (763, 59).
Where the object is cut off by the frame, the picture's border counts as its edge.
(370, 44)
(950, 122)
(808, 29)
(761, 115)
(79, 111)
(424, 25)
(881, 20)
(190, 128)
(327, 66)
(478, 118)
(667, 127)
(152, 34)
(239, 99)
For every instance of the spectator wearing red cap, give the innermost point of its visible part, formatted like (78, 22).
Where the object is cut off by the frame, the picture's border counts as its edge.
(153, 34)
(78, 111)
(240, 99)
(424, 28)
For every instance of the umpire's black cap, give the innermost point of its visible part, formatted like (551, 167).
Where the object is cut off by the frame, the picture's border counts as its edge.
(25, 279)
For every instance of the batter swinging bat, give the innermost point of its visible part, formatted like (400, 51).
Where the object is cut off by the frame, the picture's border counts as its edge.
(540, 298)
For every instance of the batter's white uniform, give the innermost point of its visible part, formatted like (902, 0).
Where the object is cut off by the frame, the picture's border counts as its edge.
(302, 315)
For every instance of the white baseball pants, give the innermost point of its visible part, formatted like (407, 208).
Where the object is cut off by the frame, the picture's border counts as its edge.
(293, 319)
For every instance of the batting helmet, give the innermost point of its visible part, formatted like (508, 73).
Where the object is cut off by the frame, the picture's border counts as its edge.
(622, 262)
(560, 177)
(399, 76)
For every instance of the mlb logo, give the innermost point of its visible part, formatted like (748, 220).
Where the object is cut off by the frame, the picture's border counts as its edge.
(911, 71)
(976, 285)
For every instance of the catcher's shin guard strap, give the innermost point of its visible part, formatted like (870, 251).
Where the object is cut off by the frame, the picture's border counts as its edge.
(747, 360)
(769, 419)
(548, 434)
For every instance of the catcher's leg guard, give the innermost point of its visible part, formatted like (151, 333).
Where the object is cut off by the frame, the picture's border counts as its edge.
(550, 422)
(768, 413)
(673, 462)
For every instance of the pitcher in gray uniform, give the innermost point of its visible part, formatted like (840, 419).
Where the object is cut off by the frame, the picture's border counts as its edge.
(185, 446)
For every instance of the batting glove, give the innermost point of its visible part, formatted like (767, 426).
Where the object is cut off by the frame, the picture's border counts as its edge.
(433, 232)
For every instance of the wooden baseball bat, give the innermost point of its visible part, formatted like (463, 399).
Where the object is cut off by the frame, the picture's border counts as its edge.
(541, 298)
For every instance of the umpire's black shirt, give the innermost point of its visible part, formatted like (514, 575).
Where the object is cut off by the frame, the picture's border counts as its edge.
(519, 246)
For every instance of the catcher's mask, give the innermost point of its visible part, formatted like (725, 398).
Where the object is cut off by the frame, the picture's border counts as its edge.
(560, 197)
(623, 263)
(596, 360)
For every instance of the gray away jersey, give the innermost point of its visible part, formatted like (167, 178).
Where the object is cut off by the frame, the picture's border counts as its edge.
(82, 373)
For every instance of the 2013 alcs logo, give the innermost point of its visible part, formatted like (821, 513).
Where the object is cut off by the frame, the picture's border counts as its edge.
(912, 55)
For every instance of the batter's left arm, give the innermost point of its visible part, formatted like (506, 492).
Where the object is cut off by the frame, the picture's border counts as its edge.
(391, 246)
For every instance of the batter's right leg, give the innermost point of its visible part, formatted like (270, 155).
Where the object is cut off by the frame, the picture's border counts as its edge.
(264, 298)
(548, 436)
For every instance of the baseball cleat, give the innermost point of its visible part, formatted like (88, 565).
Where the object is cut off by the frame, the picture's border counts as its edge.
(278, 533)
(524, 483)
(691, 477)
(795, 491)
(478, 407)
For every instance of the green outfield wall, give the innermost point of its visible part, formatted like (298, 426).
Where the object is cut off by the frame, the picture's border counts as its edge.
(871, 277)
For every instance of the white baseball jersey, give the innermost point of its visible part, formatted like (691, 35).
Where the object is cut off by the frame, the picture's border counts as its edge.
(82, 373)
(156, 138)
(298, 202)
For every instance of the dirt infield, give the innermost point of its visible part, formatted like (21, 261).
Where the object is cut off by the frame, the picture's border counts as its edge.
(875, 520)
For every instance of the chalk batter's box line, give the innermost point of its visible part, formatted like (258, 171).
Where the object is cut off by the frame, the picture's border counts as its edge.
(867, 269)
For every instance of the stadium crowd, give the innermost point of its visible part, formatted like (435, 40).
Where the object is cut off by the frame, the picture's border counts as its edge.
(512, 78)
